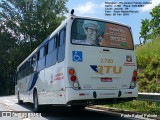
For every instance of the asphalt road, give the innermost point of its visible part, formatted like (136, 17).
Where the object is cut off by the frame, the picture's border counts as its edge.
(10, 110)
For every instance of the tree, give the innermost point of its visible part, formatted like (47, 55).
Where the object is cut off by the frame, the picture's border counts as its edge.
(32, 19)
(23, 22)
(151, 27)
(145, 28)
(155, 21)
(8, 42)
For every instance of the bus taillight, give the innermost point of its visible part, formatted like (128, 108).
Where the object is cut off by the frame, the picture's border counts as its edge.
(73, 78)
(135, 73)
(71, 71)
(134, 79)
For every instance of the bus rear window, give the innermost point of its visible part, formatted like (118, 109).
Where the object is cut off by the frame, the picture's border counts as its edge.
(98, 33)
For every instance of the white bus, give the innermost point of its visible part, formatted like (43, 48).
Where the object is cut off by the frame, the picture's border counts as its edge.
(85, 61)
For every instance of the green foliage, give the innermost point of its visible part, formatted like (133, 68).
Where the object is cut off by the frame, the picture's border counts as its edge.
(155, 21)
(8, 42)
(142, 84)
(11, 55)
(151, 28)
(139, 106)
(149, 72)
(148, 61)
(36, 19)
(145, 28)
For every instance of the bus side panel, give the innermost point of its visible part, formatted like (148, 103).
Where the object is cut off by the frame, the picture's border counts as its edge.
(53, 89)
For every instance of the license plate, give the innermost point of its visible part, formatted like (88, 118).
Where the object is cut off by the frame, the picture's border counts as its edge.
(106, 79)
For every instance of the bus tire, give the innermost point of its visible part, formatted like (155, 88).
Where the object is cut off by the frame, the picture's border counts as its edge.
(78, 107)
(19, 101)
(35, 101)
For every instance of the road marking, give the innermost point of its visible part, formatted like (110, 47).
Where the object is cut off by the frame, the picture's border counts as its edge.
(14, 99)
(8, 102)
(7, 107)
(26, 119)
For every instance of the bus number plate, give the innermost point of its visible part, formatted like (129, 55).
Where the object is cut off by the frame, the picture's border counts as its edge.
(106, 79)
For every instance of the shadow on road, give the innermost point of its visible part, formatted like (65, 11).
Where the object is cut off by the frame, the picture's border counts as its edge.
(65, 112)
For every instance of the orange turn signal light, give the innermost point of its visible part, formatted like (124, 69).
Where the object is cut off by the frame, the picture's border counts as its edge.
(71, 71)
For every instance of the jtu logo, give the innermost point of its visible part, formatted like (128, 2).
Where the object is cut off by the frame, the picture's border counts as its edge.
(106, 69)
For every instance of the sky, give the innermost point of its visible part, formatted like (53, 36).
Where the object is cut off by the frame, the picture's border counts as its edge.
(96, 8)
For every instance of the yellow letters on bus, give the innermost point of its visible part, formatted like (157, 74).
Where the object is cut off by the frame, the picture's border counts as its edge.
(108, 69)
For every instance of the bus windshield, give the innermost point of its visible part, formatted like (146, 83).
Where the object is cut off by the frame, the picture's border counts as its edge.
(100, 33)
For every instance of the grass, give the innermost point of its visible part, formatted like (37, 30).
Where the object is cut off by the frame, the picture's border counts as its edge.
(138, 106)
(149, 53)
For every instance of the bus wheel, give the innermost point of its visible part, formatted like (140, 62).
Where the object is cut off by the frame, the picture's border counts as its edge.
(78, 107)
(35, 101)
(19, 101)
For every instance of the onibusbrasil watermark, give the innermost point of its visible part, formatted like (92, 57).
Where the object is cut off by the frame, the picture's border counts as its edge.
(19, 114)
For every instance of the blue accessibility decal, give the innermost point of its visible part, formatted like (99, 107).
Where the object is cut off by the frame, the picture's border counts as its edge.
(77, 56)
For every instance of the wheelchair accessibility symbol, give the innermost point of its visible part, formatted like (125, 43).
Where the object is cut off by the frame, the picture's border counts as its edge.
(77, 56)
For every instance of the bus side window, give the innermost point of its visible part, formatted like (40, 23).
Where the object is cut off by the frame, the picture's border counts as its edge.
(46, 49)
(41, 53)
(61, 45)
(38, 54)
(62, 37)
(51, 58)
(51, 45)
(28, 67)
(41, 60)
(34, 61)
(56, 41)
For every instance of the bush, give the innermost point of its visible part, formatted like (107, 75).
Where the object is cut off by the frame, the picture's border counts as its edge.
(148, 62)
